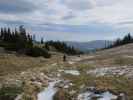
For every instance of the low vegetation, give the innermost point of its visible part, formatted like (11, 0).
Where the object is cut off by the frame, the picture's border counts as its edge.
(115, 84)
(62, 95)
(36, 51)
(9, 92)
(62, 47)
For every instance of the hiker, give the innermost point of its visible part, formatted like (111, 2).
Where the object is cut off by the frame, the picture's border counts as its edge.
(64, 58)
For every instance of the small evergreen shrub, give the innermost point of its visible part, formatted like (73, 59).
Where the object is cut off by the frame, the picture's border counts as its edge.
(37, 51)
(9, 93)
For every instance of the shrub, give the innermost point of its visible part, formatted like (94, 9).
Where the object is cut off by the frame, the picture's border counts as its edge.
(62, 95)
(36, 52)
(9, 93)
(62, 47)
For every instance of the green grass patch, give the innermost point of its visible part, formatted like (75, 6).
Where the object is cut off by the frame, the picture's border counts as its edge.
(9, 93)
(115, 84)
(123, 61)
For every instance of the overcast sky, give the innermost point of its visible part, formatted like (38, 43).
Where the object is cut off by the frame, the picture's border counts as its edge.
(70, 20)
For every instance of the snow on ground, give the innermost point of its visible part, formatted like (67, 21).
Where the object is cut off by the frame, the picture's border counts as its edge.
(19, 97)
(108, 96)
(84, 96)
(76, 59)
(54, 64)
(71, 62)
(72, 72)
(127, 56)
(103, 96)
(49, 92)
(122, 70)
(53, 87)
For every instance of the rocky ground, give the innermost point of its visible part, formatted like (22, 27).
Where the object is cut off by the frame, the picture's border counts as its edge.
(102, 76)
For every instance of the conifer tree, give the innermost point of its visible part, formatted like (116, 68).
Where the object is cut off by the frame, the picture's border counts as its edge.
(42, 41)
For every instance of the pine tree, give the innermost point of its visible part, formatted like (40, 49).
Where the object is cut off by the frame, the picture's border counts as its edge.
(47, 46)
(34, 38)
(42, 41)
(5, 35)
(22, 37)
(9, 35)
(2, 34)
(62, 47)
(29, 41)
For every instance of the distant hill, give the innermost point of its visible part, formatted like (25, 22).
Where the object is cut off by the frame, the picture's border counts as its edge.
(88, 46)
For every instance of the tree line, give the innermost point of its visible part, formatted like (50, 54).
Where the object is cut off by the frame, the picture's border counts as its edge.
(15, 40)
(21, 42)
(62, 47)
(119, 42)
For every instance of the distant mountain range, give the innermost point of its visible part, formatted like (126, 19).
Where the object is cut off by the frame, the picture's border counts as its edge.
(88, 46)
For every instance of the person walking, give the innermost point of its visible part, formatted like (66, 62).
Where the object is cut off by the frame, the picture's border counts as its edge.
(64, 58)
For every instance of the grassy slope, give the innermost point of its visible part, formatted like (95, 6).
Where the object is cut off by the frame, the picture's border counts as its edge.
(114, 57)
(10, 64)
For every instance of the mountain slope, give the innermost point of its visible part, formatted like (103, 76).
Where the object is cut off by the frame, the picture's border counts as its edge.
(126, 49)
(87, 46)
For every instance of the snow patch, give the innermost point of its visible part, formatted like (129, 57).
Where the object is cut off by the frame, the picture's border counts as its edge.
(49, 92)
(103, 96)
(72, 72)
(127, 56)
(54, 64)
(108, 96)
(122, 70)
(71, 62)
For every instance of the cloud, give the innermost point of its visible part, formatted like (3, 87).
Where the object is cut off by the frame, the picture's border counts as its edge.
(71, 17)
(9, 22)
(16, 6)
(80, 4)
(126, 22)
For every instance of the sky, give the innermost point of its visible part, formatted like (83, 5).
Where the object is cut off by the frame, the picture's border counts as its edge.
(69, 20)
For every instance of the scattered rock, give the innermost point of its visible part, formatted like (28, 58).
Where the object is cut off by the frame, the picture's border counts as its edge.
(126, 71)
(62, 95)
